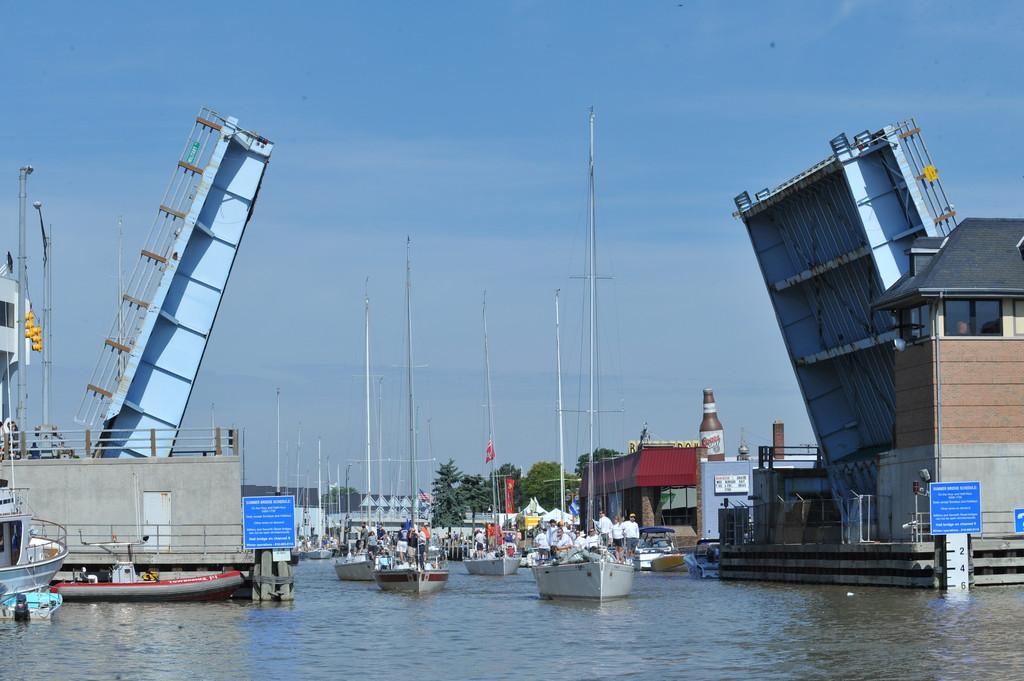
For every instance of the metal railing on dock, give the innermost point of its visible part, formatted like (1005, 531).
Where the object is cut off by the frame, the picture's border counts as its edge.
(199, 538)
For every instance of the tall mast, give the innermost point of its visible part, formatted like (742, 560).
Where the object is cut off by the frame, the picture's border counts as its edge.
(380, 442)
(490, 417)
(120, 293)
(319, 495)
(592, 276)
(279, 441)
(369, 444)
(558, 409)
(408, 368)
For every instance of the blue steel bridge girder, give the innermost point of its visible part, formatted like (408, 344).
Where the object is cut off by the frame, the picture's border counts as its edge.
(828, 242)
(144, 378)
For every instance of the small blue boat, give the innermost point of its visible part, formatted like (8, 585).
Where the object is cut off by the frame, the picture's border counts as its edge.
(33, 605)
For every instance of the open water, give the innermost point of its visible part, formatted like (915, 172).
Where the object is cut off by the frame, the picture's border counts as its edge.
(673, 627)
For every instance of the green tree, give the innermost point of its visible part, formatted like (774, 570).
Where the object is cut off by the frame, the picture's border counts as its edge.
(508, 470)
(542, 482)
(600, 454)
(449, 506)
(475, 492)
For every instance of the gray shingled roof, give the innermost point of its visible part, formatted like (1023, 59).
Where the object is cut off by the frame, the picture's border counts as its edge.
(980, 259)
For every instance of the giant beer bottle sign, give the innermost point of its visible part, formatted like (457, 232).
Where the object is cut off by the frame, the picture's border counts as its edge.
(712, 435)
(714, 440)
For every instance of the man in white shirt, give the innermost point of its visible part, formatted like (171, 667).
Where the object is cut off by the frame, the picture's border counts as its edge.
(562, 543)
(480, 543)
(631, 533)
(540, 542)
(552, 531)
(604, 526)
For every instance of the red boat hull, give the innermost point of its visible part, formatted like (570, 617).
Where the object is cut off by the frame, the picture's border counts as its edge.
(216, 587)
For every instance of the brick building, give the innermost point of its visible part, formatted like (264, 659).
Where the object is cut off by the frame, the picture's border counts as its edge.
(959, 373)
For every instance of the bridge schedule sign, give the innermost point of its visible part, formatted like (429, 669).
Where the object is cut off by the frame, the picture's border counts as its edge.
(955, 507)
(268, 522)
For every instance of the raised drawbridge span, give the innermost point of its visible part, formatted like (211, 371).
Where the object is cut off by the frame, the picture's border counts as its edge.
(149, 361)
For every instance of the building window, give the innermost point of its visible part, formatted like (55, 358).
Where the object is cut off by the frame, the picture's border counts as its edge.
(1018, 317)
(915, 323)
(973, 318)
(7, 314)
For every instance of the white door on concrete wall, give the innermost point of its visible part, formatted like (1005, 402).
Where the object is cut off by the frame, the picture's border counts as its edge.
(156, 518)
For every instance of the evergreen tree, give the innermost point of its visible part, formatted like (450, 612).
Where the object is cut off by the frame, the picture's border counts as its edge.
(449, 506)
(476, 494)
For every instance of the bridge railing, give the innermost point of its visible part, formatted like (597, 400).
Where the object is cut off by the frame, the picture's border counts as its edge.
(88, 443)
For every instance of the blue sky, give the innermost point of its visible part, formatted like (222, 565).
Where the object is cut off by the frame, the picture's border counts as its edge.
(464, 126)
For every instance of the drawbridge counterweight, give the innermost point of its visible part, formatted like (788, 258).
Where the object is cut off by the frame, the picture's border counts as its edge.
(150, 359)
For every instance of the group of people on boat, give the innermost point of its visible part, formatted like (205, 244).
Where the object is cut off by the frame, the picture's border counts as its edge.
(410, 544)
(604, 536)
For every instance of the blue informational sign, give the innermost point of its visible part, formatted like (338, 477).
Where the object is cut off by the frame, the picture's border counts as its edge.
(1018, 520)
(955, 507)
(268, 522)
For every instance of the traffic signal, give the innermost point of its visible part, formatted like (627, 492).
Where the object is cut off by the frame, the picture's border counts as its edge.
(33, 332)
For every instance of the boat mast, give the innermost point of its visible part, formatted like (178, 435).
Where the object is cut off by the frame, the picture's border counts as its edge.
(380, 444)
(490, 424)
(408, 368)
(369, 444)
(558, 409)
(279, 441)
(592, 276)
(319, 496)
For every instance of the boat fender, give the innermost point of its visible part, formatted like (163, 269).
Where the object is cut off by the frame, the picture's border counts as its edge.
(21, 611)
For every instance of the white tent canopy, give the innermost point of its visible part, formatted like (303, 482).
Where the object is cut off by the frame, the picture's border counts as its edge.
(555, 514)
(534, 508)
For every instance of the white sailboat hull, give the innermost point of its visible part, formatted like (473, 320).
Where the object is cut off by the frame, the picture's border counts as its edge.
(599, 581)
(492, 567)
(354, 570)
(411, 580)
(318, 554)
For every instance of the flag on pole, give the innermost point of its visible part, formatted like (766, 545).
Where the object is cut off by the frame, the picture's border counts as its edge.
(490, 451)
(426, 497)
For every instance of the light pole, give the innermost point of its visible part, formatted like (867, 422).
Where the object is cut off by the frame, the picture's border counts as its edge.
(21, 417)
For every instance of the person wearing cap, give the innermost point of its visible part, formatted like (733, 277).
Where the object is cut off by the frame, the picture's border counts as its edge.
(631, 534)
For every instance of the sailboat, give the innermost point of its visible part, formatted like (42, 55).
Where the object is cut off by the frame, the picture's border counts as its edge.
(359, 567)
(400, 576)
(501, 564)
(319, 552)
(586, 575)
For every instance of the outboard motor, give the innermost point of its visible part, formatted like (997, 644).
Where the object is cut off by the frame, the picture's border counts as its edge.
(21, 613)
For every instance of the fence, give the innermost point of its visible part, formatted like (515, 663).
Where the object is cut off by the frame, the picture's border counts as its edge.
(85, 444)
(202, 538)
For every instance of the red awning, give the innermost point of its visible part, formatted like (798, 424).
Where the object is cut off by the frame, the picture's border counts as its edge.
(649, 467)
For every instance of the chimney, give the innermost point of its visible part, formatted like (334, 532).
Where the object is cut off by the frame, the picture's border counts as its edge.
(779, 439)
